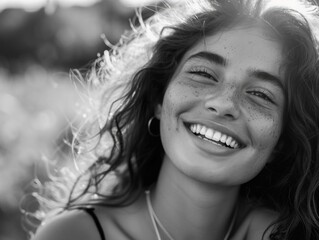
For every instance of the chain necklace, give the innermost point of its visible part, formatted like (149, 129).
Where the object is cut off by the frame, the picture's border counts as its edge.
(156, 221)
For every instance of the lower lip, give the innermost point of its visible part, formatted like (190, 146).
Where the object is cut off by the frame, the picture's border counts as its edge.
(209, 146)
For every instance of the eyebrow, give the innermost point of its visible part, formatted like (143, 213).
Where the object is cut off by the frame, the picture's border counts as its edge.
(265, 76)
(212, 57)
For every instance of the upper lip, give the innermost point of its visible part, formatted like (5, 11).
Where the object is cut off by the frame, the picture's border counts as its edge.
(220, 128)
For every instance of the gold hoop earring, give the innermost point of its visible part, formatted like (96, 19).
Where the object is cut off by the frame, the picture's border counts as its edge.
(150, 127)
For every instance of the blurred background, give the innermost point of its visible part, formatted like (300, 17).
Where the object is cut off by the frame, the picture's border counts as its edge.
(40, 41)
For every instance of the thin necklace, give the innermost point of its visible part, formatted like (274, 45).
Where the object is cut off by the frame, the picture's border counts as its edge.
(156, 221)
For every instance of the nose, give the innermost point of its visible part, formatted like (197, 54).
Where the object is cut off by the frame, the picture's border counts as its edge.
(223, 104)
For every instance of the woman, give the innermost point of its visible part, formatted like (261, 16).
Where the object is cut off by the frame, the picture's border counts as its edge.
(214, 133)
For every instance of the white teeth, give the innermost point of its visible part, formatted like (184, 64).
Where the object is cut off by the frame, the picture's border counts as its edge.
(203, 131)
(214, 135)
(198, 128)
(209, 133)
(223, 138)
(228, 141)
(217, 136)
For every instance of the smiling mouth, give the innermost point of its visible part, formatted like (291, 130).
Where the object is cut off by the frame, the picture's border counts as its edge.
(214, 136)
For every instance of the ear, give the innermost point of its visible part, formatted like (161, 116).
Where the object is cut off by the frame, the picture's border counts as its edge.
(158, 111)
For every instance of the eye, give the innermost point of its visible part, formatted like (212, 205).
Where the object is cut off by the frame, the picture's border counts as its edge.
(202, 72)
(262, 95)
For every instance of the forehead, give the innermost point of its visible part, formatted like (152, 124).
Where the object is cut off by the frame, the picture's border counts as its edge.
(246, 47)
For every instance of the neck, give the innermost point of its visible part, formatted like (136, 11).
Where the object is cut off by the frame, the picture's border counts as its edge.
(191, 209)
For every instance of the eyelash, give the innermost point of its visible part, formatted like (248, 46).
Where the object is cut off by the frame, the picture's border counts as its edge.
(262, 95)
(203, 72)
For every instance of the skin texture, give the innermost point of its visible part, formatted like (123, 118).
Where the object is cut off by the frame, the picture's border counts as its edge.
(230, 97)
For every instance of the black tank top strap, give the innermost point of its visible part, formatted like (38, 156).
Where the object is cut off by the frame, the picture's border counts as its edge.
(98, 225)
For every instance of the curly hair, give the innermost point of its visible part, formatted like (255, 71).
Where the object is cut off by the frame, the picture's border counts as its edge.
(133, 78)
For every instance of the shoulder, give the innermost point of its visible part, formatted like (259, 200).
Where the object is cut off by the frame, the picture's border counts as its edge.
(260, 223)
(73, 224)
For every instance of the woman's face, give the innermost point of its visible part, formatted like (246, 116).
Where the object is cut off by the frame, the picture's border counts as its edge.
(222, 113)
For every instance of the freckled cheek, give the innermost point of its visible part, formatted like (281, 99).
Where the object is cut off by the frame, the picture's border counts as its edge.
(265, 126)
(268, 135)
(180, 94)
(179, 98)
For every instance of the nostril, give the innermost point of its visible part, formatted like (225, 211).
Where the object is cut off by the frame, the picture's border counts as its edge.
(222, 107)
(212, 109)
(229, 115)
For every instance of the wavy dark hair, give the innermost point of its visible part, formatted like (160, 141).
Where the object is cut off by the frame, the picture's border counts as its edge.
(289, 183)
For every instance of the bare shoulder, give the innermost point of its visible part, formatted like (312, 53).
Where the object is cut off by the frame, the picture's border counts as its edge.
(74, 224)
(260, 223)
